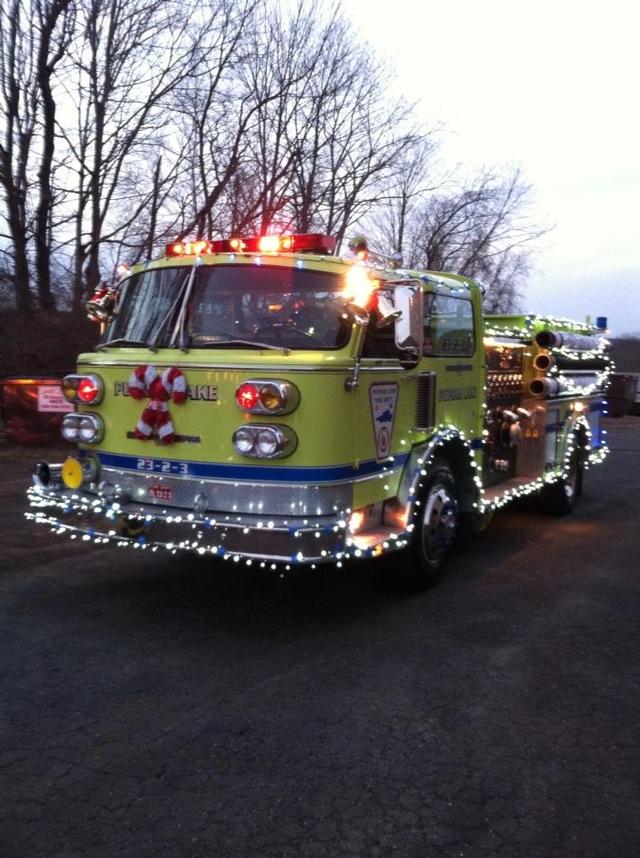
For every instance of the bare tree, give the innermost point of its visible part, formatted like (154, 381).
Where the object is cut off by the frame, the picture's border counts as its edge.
(130, 122)
(19, 91)
(130, 58)
(347, 139)
(484, 230)
(415, 176)
(51, 48)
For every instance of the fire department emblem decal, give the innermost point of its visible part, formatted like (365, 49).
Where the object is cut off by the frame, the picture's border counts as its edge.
(383, 399)
(156, 420)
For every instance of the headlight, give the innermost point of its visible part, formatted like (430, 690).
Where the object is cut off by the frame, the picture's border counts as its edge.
(265, 442)
(244, 440)
(70, 427)
(88, 428)
(267, 396)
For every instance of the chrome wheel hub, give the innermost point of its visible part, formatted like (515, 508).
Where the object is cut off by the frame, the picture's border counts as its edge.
(439, 523)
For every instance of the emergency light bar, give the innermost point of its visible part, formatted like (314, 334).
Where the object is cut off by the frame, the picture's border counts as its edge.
(301, 243)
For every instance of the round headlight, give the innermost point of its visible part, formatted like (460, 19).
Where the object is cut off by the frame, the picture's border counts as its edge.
(267, 442)
(86, 429)
(90, 428)
(69, 428)
(244, 440)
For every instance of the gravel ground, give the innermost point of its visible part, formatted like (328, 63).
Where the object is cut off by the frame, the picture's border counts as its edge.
(165, 706)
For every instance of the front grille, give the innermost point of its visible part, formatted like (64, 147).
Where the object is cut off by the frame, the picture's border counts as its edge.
(425, 400)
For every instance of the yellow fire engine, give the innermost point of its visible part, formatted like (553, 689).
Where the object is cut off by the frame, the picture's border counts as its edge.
(264, 401)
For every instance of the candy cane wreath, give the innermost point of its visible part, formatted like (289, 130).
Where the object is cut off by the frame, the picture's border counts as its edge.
(171, 385)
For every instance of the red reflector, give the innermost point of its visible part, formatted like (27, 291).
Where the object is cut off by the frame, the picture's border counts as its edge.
(87, 390)
(247, 396)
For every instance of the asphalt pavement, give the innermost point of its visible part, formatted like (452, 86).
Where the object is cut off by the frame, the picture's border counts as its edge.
(154, 705)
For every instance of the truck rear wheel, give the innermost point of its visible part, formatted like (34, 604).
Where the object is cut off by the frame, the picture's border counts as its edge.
(560, 497)
(436, 527)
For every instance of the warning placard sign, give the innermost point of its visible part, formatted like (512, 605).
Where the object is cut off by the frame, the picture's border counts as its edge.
(51, 398)
(383, 399)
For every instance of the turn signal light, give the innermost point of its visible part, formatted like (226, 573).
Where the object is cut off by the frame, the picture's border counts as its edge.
(247, 396)
(267, 396)
(87, 389)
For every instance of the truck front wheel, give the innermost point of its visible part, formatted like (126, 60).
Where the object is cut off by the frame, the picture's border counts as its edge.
(436, 527)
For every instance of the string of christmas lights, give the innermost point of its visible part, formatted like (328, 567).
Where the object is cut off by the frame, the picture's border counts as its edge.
(78, 504)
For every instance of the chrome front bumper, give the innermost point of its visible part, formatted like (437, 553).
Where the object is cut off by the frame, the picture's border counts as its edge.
(250, 538)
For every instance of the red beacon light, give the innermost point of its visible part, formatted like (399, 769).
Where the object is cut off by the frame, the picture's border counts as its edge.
(300, 243)
(188, 248)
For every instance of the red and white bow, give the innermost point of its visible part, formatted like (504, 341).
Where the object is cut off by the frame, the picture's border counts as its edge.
(171, 385)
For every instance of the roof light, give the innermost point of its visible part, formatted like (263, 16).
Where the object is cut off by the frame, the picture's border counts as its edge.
(269, 243)
(300, 243)
(189, 248)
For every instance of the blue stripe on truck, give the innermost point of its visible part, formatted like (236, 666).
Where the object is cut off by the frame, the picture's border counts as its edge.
(251, 473)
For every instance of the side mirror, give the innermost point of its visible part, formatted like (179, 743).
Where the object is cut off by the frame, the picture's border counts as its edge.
(408, 301)
(386, 310)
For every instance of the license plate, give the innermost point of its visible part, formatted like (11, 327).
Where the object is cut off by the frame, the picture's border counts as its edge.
(161, 492)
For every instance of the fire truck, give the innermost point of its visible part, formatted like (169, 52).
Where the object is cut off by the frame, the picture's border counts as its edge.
(265, 401)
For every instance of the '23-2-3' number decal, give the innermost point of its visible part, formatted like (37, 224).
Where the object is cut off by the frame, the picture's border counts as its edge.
(162, 467)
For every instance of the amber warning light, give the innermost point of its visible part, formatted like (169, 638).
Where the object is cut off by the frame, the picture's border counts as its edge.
(300, 243)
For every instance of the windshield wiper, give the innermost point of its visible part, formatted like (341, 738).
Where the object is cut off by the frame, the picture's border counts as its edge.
(123, 341)
(214, 344)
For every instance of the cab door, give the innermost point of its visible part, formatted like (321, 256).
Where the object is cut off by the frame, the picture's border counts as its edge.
(453, 351)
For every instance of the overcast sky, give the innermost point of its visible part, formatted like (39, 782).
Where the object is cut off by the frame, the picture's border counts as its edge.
(554, 86)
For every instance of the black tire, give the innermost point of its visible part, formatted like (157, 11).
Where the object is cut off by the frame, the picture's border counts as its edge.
(470, 525)
(435, 530)
(560, 497)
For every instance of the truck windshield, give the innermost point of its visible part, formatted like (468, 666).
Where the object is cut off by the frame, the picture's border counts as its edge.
(234, 306)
